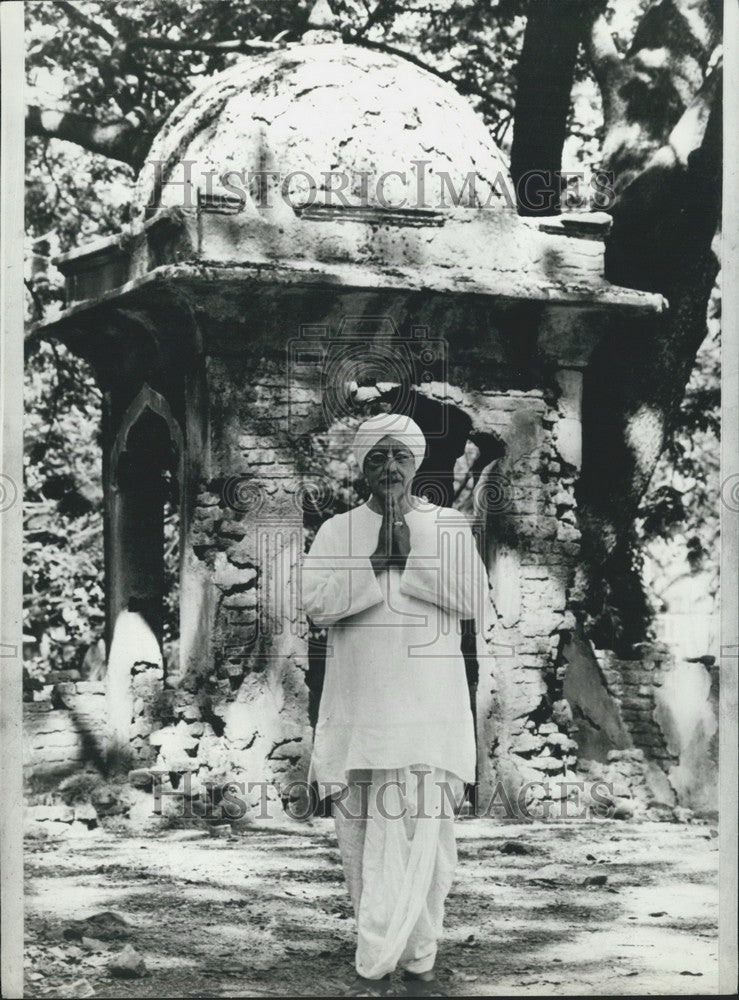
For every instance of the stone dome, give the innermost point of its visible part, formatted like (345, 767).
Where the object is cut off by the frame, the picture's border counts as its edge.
(326, 122)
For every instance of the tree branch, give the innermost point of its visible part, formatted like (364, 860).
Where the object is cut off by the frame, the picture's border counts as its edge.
(120, 140)
(646, 93)
(391, 50)
(679, 182)
(38, 308)
(605, 62)
(688, 134)
(75, 14)
(110, 66)
(545, 75)
(232, 45)
(383, 8)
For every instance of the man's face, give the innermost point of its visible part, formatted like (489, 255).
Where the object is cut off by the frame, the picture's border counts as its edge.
(389, 468)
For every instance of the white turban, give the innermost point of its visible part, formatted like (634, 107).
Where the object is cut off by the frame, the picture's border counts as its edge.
(395, 425)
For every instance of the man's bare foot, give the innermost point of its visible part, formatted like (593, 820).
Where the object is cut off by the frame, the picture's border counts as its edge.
(362, 987)
(423, 984)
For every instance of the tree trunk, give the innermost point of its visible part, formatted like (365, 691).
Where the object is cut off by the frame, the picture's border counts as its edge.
(123, 140)
(545, 74)
(662, 116)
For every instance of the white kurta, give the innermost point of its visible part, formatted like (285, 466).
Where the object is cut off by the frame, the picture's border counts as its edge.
(395, 690)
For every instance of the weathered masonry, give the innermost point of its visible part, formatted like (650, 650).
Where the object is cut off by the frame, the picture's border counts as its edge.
(240, 330)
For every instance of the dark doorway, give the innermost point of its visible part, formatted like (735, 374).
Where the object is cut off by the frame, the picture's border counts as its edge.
(145, 530)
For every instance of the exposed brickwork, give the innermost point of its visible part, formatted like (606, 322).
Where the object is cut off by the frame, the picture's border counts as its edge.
(63, 727)
(633, 684)
(146, 682)
(243, 713)
(528, 503)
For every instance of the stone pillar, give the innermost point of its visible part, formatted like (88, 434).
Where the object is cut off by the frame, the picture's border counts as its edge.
(527, 500)
(198, 510)
(135, 649)
(528, 576)
(244, 697)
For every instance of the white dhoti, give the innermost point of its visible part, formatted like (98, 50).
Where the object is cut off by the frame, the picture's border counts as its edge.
(395, 829)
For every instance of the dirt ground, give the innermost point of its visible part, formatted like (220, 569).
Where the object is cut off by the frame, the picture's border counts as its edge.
(264, 913)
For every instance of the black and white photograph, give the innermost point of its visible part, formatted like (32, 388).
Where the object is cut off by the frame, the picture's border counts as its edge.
(369, 498)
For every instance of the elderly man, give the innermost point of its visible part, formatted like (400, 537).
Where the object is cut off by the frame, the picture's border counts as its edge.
(394, 741)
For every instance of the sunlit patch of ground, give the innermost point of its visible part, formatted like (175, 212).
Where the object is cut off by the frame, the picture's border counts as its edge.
(266, 914)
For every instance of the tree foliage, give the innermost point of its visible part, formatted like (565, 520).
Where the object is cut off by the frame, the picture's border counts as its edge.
(678, 522)
(63, 551)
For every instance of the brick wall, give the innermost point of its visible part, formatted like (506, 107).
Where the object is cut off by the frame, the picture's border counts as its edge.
(526, 501)
(63, 728)
(634, 684)
(242, 712)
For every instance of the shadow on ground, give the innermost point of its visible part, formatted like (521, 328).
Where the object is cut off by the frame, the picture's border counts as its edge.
(537, 909)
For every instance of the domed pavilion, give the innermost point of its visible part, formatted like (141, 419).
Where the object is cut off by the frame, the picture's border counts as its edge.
(318, 232)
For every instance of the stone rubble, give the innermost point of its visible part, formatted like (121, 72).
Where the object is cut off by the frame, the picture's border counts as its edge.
(127, 964)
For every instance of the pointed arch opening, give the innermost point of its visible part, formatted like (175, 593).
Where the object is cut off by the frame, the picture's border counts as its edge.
(145, 528)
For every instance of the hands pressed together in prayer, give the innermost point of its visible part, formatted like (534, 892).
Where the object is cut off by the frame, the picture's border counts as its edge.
(394, 540)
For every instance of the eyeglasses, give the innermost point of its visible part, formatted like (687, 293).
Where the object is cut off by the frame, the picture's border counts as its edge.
(378, 459)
